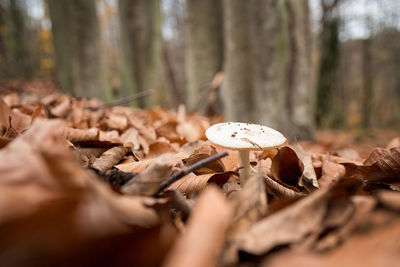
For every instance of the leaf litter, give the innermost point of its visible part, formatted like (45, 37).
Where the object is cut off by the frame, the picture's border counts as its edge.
(80, 185)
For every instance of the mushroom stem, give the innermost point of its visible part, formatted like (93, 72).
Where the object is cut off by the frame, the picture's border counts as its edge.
(244, 162)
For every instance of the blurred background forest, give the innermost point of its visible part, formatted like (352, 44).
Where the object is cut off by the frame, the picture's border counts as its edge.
(295, 65)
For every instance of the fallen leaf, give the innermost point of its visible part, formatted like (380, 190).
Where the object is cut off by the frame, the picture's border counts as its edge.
(308, 179)
(114, 121)
(280, 190)
(250, 205)
(385, 169)
(20, 122)
(213, 167)
(289, 225)
(196, 183)
(331, 173)
(110, 137)
(134, 167)
(79, 135)
(287, 167)
(148, 181)
(205, 233)
(130, 139)
(62, 108)
(389, 199)
(160, 147)
(395, 142)
(109, 158)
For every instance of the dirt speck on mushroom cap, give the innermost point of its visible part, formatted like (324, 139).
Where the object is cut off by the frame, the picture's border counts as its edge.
(236, 135)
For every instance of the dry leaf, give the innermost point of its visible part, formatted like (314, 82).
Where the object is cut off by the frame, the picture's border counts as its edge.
(308, 179)
(375, 155)
(250, 205)
(78, 135)
(395, 142)
(213, 167)
(331, 173)
(287, 167)
(286, 226)
(160, 147)
(205, 233)
(280, 190)
(389, 199)
(196, 183)
(147, 182)
(110, 158)
(134, 167)
(385, 169)
(114, 121)
(62, 108)
(110, 136)
(130, 139)
(20, 122)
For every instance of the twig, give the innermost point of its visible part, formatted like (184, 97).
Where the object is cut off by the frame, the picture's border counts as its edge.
(123, 101)
(182, 173)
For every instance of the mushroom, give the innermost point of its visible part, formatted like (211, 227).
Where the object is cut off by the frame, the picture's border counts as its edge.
(244, 137)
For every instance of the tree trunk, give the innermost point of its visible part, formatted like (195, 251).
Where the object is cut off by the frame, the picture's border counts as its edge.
(203, 48)
(141, 43)
(237, 89)
(326, 114)
(301, 93)
(367, 83)
(271, 48)
(80, 65)
(268, 65)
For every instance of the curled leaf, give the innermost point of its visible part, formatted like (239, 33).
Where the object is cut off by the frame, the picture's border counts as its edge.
(109, 158)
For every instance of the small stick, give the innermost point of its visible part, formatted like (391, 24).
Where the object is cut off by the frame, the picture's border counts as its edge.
(124, 100)
(182, 173)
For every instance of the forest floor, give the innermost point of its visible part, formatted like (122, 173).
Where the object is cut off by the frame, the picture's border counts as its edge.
(81, 184)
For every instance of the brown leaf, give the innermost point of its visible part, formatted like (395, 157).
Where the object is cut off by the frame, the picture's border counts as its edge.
(62, 108)
(389, 199)
(287, 167)
(375, 155)
(168, 130)
(179, 202)
(78, 135)
(20, 122)
(250, 204)
(348, 153)
(110, 137)
(280, 190)
(110, 158)
(213, 167)
(4, 141)
(331, 173)
(160, 147)
(134, 167)
(308, 179)
(130, 139)
(114, 121)
(205, 233)
(10, 133)
(11, 99)
(395, 142)
(196, 183)
(146, 131)
(37, 113)
(289, 225)
(147, 182)
(385, 169)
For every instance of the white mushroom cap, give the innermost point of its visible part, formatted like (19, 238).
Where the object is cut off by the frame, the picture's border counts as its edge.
(244, 136)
